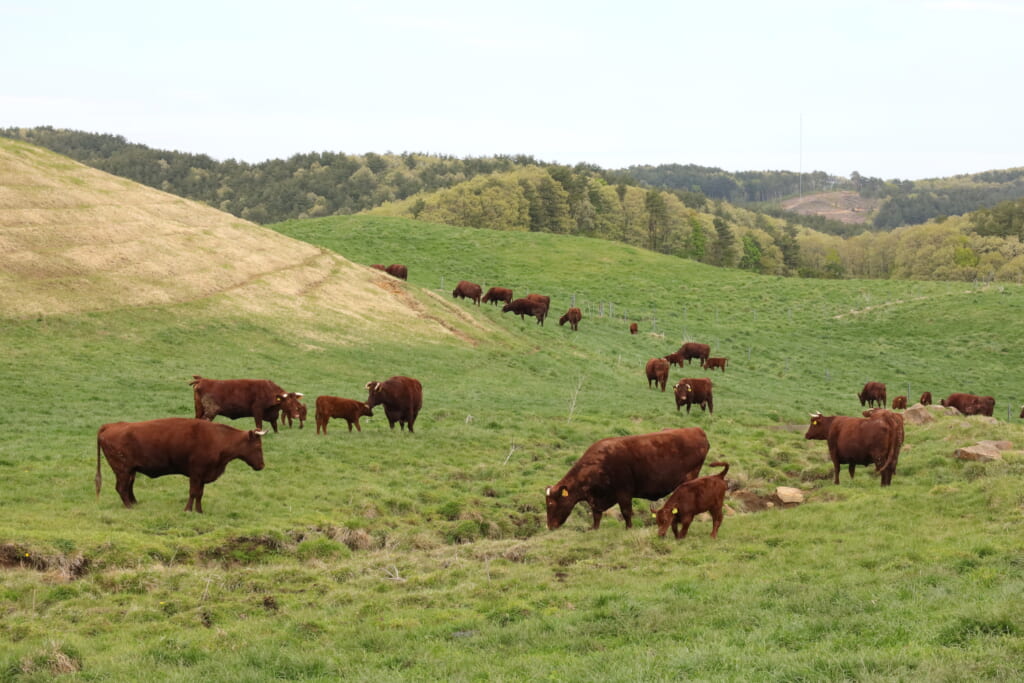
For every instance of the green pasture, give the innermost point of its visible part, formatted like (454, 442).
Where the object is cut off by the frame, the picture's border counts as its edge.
(384, 555)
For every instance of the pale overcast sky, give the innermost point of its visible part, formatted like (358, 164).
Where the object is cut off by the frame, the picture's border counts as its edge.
(890, 88)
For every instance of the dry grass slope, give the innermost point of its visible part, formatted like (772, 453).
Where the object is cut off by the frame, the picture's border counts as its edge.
(76, 239)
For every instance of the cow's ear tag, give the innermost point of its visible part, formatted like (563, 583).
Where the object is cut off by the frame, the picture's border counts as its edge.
(565, 493)
(675, 511)
(654, 514)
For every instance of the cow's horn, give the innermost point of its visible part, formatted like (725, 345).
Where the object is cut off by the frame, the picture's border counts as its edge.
(368, 385)
(299, 394)
(547, 491)
(260, 432)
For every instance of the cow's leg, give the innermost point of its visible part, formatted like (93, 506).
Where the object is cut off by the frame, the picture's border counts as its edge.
(124, 487)
(596, 514)
(835, 466)
(626, 508)
(350, 425)
(687, 520)
(711, 406)
(131, 488)
(195, 493)
(716, 518)
(853, 466)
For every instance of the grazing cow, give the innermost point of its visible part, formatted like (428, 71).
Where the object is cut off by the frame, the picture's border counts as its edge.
(657, 372)
(704, 494)
(712, 363)
(259, 399)
(525, 307)
(467, 290)
(899, 403)
(696, 391)
(544, 302)
(292, 409)
(675, 358)
(860, 441)
(496, 294)
(397, 270)
(621, 468)
(872, 393)
(926, 398)
(334, 406)
(633, 329)
(402, 398)
(691, 350)
(379, 266)
(970, 404)
(573, 317)
(174, 445)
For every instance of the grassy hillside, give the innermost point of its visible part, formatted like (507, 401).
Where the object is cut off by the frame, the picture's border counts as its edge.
(388, 556)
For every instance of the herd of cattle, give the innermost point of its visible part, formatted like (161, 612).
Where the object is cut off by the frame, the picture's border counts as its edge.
(201, 449)
(611, 471)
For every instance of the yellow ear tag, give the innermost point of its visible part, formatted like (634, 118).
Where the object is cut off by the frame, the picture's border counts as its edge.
(565, 493)
(675, 511)
(654, 514)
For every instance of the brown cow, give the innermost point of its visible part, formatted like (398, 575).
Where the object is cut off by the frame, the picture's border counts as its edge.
(467, 290)
(573, 317)
(926, 398)
(899, 403)
(397, 270)
(691, 350)
(334, 406)
(704, 494)
(712, 363)
(872, 393)
(402, 398)
(696, 391)
(545, 303)
(657, 372)
(633, 329)
(174, 445)
(970, 404)
(621, 468)
(496, 294)
(860, 441)
(524, 307)
(292, 409)
(259, 399)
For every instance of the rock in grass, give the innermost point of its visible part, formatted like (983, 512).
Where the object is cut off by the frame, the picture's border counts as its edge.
(978, 453)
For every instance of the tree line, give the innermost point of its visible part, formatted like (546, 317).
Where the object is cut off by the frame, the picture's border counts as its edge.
(673, 209)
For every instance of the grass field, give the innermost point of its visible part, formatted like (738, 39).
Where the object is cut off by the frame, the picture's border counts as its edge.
(388, 556)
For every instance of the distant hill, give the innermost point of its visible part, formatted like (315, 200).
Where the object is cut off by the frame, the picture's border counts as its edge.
(76, 239)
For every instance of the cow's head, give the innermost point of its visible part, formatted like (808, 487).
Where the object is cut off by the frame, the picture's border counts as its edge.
(559, 502)
(818, 428)
(252, 449)
(564, 319)
(365, 409)
(375, 396)
(290, 404)
(663, 517)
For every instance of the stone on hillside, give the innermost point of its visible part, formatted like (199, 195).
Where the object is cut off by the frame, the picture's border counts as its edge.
(978, 453)
(984, 419)
(917, 415)
(788, 495)
(944, 410)
(1001, 445)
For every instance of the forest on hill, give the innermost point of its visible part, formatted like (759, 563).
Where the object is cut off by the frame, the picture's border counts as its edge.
(701, 213)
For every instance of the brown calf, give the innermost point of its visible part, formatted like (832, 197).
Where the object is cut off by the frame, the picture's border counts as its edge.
(333, 406)
(633, 329)
(706, 494)
(899, 403)
(712, 363)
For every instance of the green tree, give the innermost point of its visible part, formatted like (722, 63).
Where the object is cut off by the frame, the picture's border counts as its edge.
(657, 220)
(751, 257)
(725, 243)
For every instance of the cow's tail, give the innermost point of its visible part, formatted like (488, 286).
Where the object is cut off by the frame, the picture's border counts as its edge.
(720, 463)
(99, 476)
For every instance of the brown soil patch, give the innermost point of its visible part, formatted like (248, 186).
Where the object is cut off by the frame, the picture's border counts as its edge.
(844, 206)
